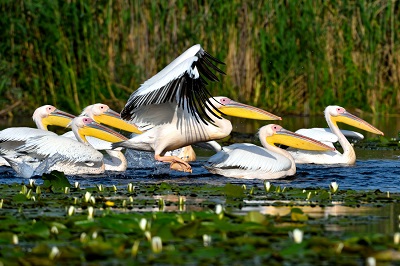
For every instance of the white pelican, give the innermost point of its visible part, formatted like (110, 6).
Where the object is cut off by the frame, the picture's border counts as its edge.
(333, 115)
(44, 116)
(102, 113)
(174, 127)
(47, 153)
(249, 161)
(175, 108)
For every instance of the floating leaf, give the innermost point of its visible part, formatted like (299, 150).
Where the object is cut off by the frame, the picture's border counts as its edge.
(234, 191)
(297, 215)
(40, 229)
(188, 230)
(55, 179)
(255, 217)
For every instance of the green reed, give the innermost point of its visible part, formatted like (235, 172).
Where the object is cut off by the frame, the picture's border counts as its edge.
(285, 56)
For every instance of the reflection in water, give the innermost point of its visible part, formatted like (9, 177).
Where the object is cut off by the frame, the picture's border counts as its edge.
(363, 219)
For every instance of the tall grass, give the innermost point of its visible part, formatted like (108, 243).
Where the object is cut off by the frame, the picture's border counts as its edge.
(284, 56)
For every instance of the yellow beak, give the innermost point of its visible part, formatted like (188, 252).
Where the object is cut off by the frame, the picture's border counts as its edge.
(99, 131)
(113, 119)
(298, 141)
(355, 121)
(57, 118)
(247, 111)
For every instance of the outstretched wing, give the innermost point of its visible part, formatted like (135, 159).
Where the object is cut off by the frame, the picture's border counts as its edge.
(183, 81)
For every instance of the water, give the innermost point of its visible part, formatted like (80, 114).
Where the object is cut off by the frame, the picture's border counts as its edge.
(374, 170)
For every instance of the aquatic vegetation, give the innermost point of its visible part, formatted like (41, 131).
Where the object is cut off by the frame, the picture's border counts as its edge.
(185, 224)
(298, 55)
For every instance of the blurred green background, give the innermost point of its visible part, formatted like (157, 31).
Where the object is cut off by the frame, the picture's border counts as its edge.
(289, 57)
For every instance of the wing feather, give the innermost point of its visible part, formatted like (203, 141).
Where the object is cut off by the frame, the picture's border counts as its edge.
(22, 133)
(249, 157)
(181, 82)
(68, 149)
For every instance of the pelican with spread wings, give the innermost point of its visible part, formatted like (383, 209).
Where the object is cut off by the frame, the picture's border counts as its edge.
(175, 109)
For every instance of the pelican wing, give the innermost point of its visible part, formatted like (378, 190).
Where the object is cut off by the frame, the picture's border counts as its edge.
(323, 136)
(347, 133)
(249, 157)
(64, 148)
(153, 115)
(182, 81)
(22, 133)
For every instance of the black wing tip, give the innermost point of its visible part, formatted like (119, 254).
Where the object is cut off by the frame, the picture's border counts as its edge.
(117, 145)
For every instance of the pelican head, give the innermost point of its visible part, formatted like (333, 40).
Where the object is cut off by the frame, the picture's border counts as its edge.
(48, 115)
(275, 134)
(83, 126)
(339, 114)
(102, 113)
(232, 108)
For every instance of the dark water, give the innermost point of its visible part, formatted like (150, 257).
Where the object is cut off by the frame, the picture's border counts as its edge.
(374, 169)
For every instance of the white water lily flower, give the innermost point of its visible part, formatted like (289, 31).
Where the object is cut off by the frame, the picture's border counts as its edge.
(206, 240)
(297, 236)
(92, 200)
(71, 210)
(156, 244)
(371, 261)
(309, 196)
(87, 196)
(76, 185)
(143, 224)
(15, 239)
(218, 209)
(31, 182)
(55, 252)
(130, 187)
(267, 186)
(334, 186)
(54, 230)
(83, 237)
(66, 190)
(396, 238)
(90, 212)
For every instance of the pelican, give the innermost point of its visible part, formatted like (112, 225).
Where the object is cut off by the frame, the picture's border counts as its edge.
(176, 109)
(333, 115)
(249, 161)
(102, 113)
(44, 116)
(47, 153)
(174, 127)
